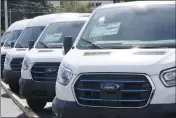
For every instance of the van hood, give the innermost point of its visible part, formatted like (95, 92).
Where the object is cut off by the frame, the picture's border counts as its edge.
(5, 50)
(17, 52)
(148, 61)
(44, 55)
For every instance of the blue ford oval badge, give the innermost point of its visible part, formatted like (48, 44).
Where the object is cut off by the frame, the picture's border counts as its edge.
(50, 70)
(110, 87)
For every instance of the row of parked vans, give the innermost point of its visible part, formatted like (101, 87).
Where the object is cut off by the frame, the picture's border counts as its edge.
(118, 60)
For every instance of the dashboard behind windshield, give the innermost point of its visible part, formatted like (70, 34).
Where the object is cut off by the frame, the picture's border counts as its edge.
(5, 37)
(12, 38)
(54, 34)
(29, 33)
(117, 27)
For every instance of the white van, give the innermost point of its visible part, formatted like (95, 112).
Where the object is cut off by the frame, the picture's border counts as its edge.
(10, 37)
(122, 64)
(40, 64)
(14, 58)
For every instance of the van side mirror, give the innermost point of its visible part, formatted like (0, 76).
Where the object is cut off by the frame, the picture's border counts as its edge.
(30, 44)
(2, 43)
(67, 44)
(12, 44)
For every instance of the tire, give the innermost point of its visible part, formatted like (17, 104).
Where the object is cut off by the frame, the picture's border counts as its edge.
(21, 93)
(36, 104)
(1, 75)
(14, 88)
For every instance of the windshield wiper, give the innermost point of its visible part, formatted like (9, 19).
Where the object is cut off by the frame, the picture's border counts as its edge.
(92, 45)
(7, 45)
(20, 45)
(44, 44)
(158, 46)
(120, 46)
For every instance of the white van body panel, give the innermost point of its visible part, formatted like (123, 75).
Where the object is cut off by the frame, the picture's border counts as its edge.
(4, 50)
(17, 52)
(53, 55)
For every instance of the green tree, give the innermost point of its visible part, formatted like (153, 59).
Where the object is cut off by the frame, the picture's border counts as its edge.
(74, 6)
(31, 8)
(21, 9)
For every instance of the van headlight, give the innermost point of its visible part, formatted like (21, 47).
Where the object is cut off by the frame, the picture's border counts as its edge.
(7, 59)
(64, 75)
(168, 77)
(25, 64)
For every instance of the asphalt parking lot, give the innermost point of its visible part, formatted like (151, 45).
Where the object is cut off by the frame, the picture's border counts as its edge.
(10, 109)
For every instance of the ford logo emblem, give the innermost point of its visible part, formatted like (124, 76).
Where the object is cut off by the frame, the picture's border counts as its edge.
(110, 87)
(50, 70)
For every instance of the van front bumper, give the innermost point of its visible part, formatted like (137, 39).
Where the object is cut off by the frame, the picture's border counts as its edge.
(30, 89)
(11, 77)
(66, 109)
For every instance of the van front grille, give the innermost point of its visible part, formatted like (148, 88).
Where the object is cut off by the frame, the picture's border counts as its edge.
(132, 91)
(45, 71)
(16, 64)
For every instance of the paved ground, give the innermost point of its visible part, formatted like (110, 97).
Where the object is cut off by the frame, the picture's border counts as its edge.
(9, 108)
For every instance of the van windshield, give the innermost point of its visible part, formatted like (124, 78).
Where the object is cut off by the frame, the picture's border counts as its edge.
(5, 37)
(29, 33)
(12, 38)
(54, 34)
(150, 26)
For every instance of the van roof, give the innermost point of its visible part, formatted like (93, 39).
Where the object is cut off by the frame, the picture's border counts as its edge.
(135, 3)
(65, 19)
(18, 25)
(44, 20)
(85, 14)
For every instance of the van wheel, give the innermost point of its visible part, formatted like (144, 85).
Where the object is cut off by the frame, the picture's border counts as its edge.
(14, 88)
(36, 104)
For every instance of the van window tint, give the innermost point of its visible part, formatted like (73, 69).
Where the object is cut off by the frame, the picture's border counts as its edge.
(5, 37)
(133, 26)
(29, 33)
(54, 34)
(12, 38)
